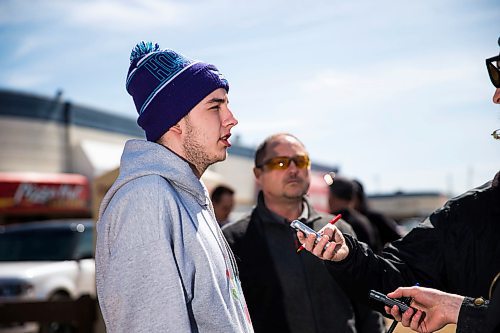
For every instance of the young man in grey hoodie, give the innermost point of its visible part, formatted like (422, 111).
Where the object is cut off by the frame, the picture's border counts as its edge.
(162, 263)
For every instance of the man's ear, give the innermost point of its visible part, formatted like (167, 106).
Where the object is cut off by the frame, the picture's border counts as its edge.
(257, 172)
(176, 128)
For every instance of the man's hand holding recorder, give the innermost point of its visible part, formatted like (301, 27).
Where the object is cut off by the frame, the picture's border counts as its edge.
(422, 316)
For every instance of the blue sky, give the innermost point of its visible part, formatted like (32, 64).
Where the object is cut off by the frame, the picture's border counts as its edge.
(393, 92)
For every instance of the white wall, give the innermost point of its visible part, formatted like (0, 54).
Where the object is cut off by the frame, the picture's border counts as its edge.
(31, 145)
(236, 172)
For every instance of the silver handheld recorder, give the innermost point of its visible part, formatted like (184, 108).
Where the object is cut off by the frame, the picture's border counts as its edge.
(299, 226)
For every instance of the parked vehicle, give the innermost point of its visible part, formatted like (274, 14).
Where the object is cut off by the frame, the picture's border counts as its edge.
(46, 260)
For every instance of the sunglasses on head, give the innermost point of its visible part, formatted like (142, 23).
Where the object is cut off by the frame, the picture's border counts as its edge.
(493, 70)
(283, 162)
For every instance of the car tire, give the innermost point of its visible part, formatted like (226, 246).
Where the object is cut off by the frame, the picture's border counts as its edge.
(55, 327)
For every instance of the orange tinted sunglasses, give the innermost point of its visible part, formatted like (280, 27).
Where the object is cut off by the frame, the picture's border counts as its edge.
(283, 162)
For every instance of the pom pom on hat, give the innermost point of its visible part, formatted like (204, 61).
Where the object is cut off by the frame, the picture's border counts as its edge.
(166, 85)
(143, 48)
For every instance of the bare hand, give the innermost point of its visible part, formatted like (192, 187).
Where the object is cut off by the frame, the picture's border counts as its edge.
(434, 308)
(334, 250)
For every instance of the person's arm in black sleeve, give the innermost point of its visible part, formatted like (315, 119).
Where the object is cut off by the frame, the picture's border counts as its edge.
(472, 315)
(414, 259)
(367, 320)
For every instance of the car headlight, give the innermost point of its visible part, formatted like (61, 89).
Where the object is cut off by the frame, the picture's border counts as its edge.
(14, 287)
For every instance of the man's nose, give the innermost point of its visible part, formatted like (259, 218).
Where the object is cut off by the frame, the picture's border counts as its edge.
(229, 119)
(496, 96)
(293, 166)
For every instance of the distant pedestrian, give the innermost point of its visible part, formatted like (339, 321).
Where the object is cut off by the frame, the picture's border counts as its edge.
(388, 229)
(223, 201)
(341, 201)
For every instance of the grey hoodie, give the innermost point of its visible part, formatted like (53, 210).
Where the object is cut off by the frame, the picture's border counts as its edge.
(162, 264)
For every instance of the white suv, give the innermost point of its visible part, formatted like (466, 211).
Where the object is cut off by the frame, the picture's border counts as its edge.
(46, 260)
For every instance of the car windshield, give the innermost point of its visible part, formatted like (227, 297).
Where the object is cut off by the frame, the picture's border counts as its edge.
(37, 245)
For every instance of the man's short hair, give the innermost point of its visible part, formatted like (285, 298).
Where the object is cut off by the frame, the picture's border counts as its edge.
(261, 151)
(219, 191)
(342, 188)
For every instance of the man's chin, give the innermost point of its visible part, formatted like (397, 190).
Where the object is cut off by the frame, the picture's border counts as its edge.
(298, 194)
(219, 157)
(222, 156)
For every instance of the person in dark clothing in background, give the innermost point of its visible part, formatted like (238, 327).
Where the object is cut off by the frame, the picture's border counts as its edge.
(388, 229)
(341, 201)
(223, 201)
(288, 291)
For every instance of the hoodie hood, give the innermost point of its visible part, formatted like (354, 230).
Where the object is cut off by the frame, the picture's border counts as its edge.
(141, 158)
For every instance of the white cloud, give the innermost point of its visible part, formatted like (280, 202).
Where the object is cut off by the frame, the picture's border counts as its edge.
(382, 82)
(29, 46)
(25, 80)
(126, 16)
(101, 15)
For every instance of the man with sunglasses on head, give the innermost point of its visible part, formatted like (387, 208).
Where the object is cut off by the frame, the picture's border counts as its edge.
(288, 291)
(456, 250)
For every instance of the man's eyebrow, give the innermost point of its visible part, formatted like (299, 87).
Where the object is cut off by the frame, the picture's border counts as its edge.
(216, 100)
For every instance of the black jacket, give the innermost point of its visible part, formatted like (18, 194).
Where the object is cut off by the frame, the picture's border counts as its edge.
(365, 231)
(457, 250)
(388, 229)
(286, 291)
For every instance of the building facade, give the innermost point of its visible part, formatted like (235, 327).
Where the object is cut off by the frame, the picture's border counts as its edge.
(54, 150)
